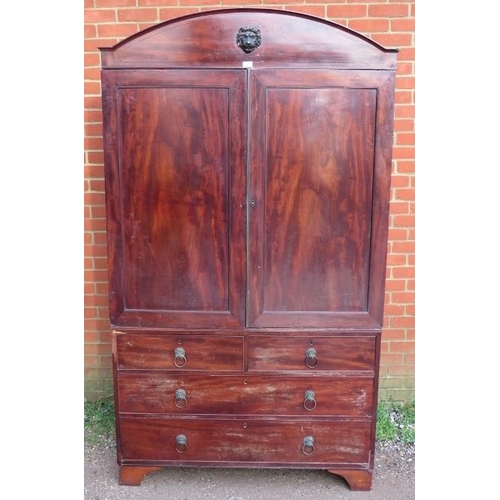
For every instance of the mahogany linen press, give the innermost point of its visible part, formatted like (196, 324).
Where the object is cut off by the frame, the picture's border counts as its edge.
(247, 177)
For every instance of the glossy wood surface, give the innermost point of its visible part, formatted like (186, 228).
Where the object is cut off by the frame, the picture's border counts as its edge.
(176, 190)
(288, 40)
(314, 259)
(244, 440)
(332, 353)
(247, 204)
(248, 394)
(158, 352)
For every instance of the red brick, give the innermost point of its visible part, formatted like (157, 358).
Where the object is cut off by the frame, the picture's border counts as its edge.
(345, 11)
(402, 322)
(312, 10)
(91, 361)
(403, 152)
(404, 272)
(89, 31)
(394, 40)
(404, 68)
(99, 15)
(403, 124)
(403, 247)
(393, 310)
(119, 30)
(158, 3)
(403, 297)
(92, 88)
(391, 334)
(392, 285)
(200, 2)
(406, 166)
(95, 157)
(389, 358)
(389, 10)
(402, 347)
(365, 26)
(403, 24)
(397, 234)
(398, 208)
(115, 3)
(167, 14)
(406, 139)
(138, 15)
(404, 220)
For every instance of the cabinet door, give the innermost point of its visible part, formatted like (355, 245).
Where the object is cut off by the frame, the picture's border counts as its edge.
(319, 190)
(175, 145)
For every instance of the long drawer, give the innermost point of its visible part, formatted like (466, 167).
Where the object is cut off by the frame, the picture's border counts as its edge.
(240, 440)
(179, 352)
(228, 394)
(266, 352)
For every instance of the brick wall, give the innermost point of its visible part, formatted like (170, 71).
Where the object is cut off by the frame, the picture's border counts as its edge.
(388, 22)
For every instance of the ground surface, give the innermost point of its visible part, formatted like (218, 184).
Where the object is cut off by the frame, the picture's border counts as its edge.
(393, 479)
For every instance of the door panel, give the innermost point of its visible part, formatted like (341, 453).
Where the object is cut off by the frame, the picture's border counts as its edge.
(312, 176)
(179, 184)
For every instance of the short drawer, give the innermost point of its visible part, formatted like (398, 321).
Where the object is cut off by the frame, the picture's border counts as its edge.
(311, 353)
(245, 441)
(237, 395)
(138, 351)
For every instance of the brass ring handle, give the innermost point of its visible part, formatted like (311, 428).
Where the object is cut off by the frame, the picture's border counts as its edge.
(309, 400)
(308, 445)
(180, 398)
(181, 443)
(311, 360)
(180, 359)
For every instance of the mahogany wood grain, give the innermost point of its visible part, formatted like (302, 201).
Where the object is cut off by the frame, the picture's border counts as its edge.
(136, 351)
(245, 395)
(247, 205)
(208, 39)
(224, 440)
(133, 476)
(175, 182)
(314, 254)
(358, 480)
(332, 353)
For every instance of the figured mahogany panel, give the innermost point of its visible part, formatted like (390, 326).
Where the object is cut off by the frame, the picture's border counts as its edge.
(250, 394)
(142, 351)
(312, 354)
(315, 257)
(209, 39)
(244, 440)
(175, 179)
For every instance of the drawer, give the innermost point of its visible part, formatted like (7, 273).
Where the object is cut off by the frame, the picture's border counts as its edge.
(245, 441)
(258, 395)
(311, 353)
(142, 351)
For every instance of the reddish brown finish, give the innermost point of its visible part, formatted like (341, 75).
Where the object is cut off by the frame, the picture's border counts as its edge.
(315, 227)
(288, 39)
(145, 351)
(247, 214)
(358, 480)
(133, 476)
(332, 353)
(252, 395)
(175, 183)
(245, 440)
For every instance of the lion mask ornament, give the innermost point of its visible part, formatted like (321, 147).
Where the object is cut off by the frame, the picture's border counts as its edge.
(248, 39)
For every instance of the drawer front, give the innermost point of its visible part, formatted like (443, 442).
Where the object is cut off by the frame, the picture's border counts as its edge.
(251, 441)
(206, 394)
(180, 352)
(311, 353)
